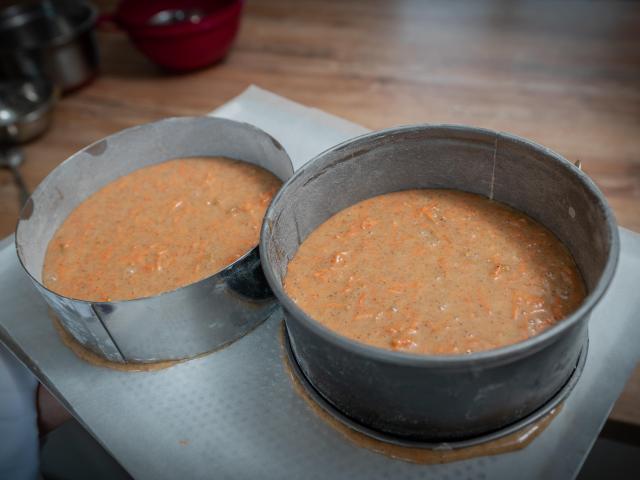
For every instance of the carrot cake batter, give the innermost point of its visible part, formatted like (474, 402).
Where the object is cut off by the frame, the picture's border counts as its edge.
(159, 228)
(434, 272)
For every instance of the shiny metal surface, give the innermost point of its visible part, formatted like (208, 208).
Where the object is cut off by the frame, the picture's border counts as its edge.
(182, 323)
(452, 397)
(234, 414)
(49, 39)
(26, 107)
(11, 158)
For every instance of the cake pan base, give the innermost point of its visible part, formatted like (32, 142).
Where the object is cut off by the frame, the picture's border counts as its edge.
(514, 427)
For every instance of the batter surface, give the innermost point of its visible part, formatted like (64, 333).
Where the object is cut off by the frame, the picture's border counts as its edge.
(159, 228)
(434, 272)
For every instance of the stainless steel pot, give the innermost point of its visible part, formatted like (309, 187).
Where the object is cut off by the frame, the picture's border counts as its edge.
(441, 398)
(49, 39)
(25, 113)
(26, 108)
(178, 324)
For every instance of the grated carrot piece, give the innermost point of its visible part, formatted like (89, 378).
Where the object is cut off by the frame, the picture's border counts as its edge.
(362, 298)
(497, 271)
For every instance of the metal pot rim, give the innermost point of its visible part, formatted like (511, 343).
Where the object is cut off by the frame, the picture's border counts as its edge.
(25, 212)
(505, 353)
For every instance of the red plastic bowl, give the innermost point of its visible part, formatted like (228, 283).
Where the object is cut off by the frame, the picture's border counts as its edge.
(181, 46)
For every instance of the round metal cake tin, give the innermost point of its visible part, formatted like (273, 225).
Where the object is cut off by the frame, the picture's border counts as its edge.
(182, 323)
(428, 398)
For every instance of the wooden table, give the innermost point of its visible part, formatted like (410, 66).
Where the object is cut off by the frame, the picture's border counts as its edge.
(564, 74)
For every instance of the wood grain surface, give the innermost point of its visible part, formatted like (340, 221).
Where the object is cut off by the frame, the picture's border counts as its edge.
(564, 74)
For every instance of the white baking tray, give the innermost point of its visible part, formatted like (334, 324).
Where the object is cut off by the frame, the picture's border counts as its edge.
(236, 414)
